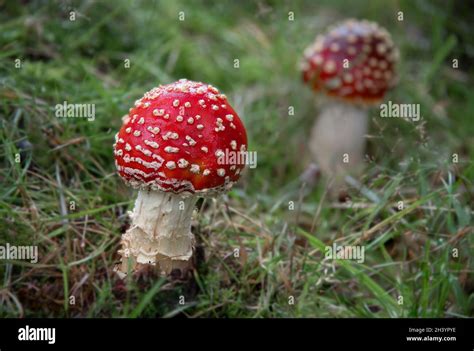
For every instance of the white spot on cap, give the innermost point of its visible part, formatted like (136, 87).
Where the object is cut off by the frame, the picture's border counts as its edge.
(182, 163)
(170, 135)
(334, 47)
(368, 83)
(137, 133)
(348, 78)
(152, 144)
(333, 83)
(191, 141)
(176, 103)
(205, 149)
(381, 48)
(146, 152)
(194, 169)
(351, 38)
(154, 130)
(170, 165)
(359, 87)
(221, 172)
(317, 59)
(351, 50)
(346, 91)
(330, 66)
(171, 149)
(158, 112)
(220, 126)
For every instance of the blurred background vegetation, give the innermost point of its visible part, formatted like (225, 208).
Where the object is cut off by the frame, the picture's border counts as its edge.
(409, 253)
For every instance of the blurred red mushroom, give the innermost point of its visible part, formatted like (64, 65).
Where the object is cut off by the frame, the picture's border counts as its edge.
(168, 148)
(354, 65)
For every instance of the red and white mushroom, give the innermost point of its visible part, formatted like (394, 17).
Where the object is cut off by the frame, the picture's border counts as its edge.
(169, 148)
(354, 64)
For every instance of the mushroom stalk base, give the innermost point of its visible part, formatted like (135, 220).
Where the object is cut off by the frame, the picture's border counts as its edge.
(160, 233)
(337, 140)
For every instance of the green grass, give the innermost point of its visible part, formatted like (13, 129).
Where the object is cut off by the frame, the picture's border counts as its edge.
(409, 253)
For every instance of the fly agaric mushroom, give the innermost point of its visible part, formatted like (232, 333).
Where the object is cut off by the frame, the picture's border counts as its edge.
(353, 63)
(169, 148)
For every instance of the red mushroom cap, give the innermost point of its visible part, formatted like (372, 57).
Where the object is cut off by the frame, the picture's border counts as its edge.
(354, 60)
(174, 136)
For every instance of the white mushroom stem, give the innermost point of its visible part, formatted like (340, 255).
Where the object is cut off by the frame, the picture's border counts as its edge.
(337, 139)
(160, 233)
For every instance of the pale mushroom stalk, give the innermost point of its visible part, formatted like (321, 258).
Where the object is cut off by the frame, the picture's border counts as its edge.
(160, 231)
(337, 140)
